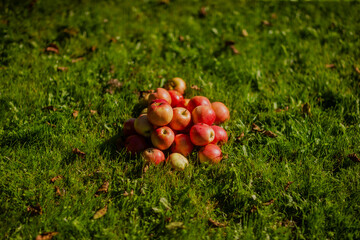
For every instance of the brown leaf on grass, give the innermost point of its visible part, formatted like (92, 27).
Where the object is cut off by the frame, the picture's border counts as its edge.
(58, 192)
(256, 128)
(274, 16)
(75, 113)
(93, 48)
(62, 69)
(253, 209)
(100, 213)
(35, 210)
(202, 12)
(244, 33)
(51, 108)
(181, 38)
(266, 23)
(77, 59)
(331, 65)
(288, 185)
(112, 40)
(46, 235)
(51, 125)
(234, 50)
(269, 134)
(78, 152)
(238, 138)
(357, 69)
(282, 110)
(125, 194)
(195, 87)
(103, 188)
(71, 31)
(354, 158)
(93, 112)
(306, 109)
(216, 223)
(54, 179)
(52, 48)
(113, 85)
(268, 203)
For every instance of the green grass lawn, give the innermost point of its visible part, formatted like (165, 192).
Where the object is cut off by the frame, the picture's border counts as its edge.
(298, 185)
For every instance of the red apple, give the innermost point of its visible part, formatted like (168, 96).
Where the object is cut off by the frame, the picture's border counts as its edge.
(221, 111)
(184, 103)
(197, 101)
(221, 136)
(181, 119)
(176, 98)
(135, 144)
(143, 126)
(201, 134)
(153, 155)
(158, 101)
(160, 114)
(177, 84)
(128, 127)
(162, 138)
(182, 144)
(210, 153)
(177, 161)
(160, 93)
(203, 114)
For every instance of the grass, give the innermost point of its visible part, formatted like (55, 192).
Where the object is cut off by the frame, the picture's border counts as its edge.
(280, 65)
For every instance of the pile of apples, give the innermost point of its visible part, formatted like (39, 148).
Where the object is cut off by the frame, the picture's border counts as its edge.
(177, 125)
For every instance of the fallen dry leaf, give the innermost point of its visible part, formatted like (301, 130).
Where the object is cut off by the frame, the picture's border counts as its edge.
(195, 87)
(100, 213)
(306, 109)
(234, 50)
(331, 65)
(269, 134)
(93, 48)
(75, 113)
(51, 108)
(282, 110)
(216, 223)
(244, 33)
(58, 191)
(112, 40)
(50, 124)
(35, 210)
(288, 185)
(46, 235)
(357, 69)
(77, 59)
(54, 179)
(103, 189)
(240, 136)
(52, 48)
(268, 203)
(274, 16)
(113, 85)
(253, 209)
(78, 152)
(202, 12)
(125, 194)
(266, 22)
(93, 112)
(62, 69)
(354, 158)
(71, 31)
(181, 38)
(256, 128)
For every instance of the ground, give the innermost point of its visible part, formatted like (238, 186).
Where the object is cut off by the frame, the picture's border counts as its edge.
(288, 71)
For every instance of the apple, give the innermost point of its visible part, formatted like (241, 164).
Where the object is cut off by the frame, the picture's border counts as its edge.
(184, 103)
(178, 161)
(221, 136)
(153, 155)
(128, 127)
(197, 101)
(182, 144)
(221, 111)
(160, 113)
(160, 93)
(177, 84)
(176, 98)
(201, 134)
(203, 114)
(181, 119)
(143, 126)
(135, 144)
(162, 138)
(210, 153)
